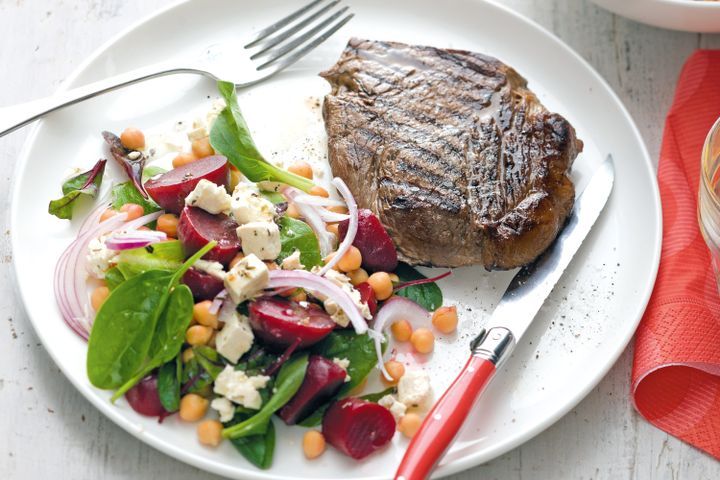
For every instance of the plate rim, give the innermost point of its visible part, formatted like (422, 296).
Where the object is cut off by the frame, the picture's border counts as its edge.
(456, 466)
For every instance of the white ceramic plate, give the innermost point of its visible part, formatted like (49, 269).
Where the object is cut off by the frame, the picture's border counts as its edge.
(687, 15)
(575, 339)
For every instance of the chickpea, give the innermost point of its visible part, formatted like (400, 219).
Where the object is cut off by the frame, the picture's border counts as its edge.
(358, 276)
(271, 265)
(338, 209)
(351, 260)
(132, 138)
(201, 148)
(193, 407)
(299, 295)
(319, 191)
(445, 319)
(98, 297)
(235, 179)
(201, 313)
(423, 340)
(236, 259)
(401, 330)
(301, 168)
(198, 335)
(327, 259)
(187, 355)
(109, 213)
(409, 424)
(209, 432)
(313, 444)
(133, 210)
(394, 278)
(168, 223)
(395, 369)
(381, 285)
(183, 159)
(334, 229)
(292, 211)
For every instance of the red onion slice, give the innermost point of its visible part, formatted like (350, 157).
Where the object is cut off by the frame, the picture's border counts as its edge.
(318, 201)
(396, 308)
(317, 284)
(217, 302)
(312, 217)
(352, 226)
(332, 217)
(134, 239)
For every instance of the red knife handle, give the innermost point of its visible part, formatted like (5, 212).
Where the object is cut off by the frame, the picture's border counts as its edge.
(447, 416)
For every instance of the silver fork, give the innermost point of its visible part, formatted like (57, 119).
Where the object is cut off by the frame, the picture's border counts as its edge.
(246, 62)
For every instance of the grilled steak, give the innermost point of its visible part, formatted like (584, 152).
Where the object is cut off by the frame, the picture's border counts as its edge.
(460, 161)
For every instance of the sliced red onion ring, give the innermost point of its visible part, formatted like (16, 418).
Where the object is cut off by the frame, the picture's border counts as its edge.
(217, 302)
(328, 216)
(318, 201)
(352, 227)
(312, 217)
(134, 239)
(320, 285)
(144, 220)
(396, 308)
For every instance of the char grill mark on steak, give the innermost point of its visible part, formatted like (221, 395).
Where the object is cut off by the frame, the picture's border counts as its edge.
(458, 159)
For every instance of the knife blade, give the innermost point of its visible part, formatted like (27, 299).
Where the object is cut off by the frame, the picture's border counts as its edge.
(509, 321)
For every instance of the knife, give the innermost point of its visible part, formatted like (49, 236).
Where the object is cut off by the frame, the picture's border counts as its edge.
(510, 320)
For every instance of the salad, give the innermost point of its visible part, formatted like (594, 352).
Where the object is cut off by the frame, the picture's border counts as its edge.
(237, 294)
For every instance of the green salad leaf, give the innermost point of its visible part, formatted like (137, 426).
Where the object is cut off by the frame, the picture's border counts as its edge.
(257, 449)
(375, 397)
(140, 326)
(85, 184)
(167, 256)
(113, 278)
(287, 383)
(428, 295)
(274, 197)
(126, 192)
(359, 349)
(150, 171)
(231, 137)
(168, 384)
(297, 235)
(209, 359)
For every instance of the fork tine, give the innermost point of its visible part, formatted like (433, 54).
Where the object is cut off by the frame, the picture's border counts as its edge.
(287, 48)
(287, 61)
(268, 43)
(280, 23)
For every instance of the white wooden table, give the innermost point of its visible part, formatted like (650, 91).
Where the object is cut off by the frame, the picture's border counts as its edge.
(50, 431)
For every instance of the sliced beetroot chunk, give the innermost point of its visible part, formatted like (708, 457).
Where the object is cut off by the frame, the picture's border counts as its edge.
(367, 295)
(357, 427)
(280, 322)
(144, 398)
(323, 379)
(197, 228)
(375, 245)
(202, 285)
(170, 189)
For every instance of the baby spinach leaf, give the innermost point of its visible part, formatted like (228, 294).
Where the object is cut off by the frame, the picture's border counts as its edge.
(126, 192)
(359, 349)
(113, 278)
(168, 385)
(166, 256)
(375, 397)
(209, 359)
(297, 235)
(150, 171)
(428, 295)
(274, 197)
(195, 379)
(85, 184)
(231, 137)
(287, 383)
(258, 449)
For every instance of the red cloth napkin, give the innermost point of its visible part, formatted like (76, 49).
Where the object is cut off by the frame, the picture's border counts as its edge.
(676, 372)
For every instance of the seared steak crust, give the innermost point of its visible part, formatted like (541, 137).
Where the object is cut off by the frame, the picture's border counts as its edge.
(459, 160)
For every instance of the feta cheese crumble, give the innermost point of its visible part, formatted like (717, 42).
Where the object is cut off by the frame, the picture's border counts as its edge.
(99, 257)
(343, 363)
(246, 279)
(237, 387)
(224, 407)
(210, 197)
(332, 308)
(414, 388)
(397, 409)
(211, 268)
(248, 205)
(293, 262)
(261, 239)
(236, 337)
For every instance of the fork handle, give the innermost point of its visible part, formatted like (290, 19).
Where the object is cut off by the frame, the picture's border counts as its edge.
(445, 419)
(16, 116)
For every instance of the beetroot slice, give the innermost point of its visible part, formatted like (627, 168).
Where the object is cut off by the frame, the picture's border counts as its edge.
(322, 380)
(375, 245)
(144, 398)
(357, 427)
(280, 322)
(202, 285)
(197, 228)
(367, 295)
(170, 189)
